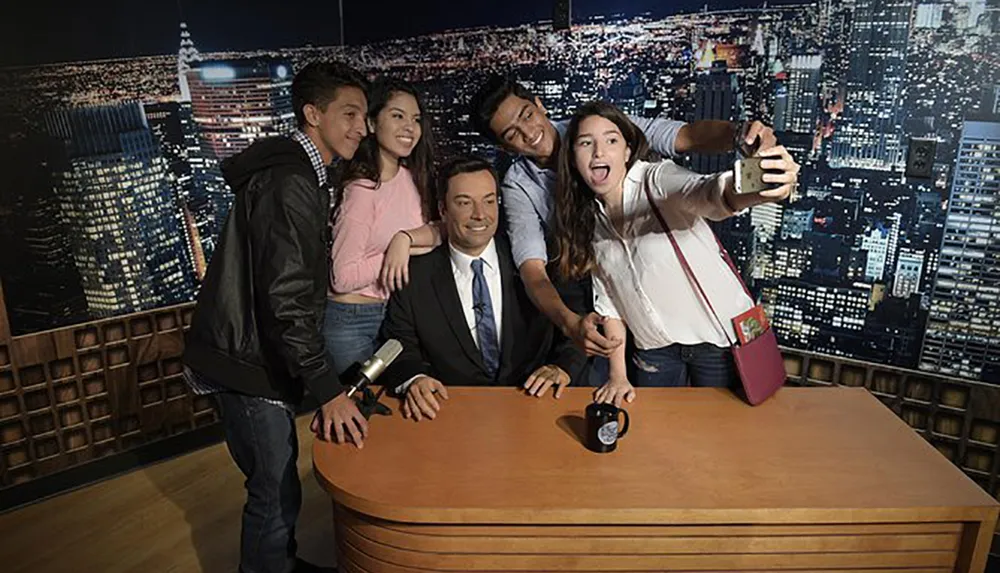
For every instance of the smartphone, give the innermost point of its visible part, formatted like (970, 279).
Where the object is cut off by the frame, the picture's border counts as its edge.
(749, 176)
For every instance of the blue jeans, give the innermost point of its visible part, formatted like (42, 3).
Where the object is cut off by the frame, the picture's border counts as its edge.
(262, 440)
(351, 332)
(704, 365)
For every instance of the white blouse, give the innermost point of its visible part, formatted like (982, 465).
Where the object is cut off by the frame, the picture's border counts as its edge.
(639, 279)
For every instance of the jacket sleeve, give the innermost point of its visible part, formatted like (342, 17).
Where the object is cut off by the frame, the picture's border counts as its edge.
(400, 323)
(287, 228)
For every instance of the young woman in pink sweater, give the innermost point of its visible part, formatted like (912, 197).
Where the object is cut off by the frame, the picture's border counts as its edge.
(384, 215)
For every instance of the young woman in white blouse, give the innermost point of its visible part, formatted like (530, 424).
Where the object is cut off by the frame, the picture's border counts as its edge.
(605, 227)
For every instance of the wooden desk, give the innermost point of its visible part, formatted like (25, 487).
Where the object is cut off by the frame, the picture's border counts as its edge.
(815, 479)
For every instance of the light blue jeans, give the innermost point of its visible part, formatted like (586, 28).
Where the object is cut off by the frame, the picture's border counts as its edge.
(351, 332)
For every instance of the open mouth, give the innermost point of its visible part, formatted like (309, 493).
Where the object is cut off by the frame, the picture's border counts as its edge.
(478, 228)
(537, 139)
(405, 140)
(600, 173)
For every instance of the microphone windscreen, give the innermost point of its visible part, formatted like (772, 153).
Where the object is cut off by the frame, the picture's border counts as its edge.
(389, 351)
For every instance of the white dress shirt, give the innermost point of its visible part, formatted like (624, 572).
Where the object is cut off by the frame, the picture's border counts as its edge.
(461, 270)
(639, 278)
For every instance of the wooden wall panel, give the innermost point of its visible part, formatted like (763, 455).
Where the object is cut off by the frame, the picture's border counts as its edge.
(76, 394)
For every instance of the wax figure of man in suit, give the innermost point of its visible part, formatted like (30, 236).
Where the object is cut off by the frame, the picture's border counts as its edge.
(465, 318)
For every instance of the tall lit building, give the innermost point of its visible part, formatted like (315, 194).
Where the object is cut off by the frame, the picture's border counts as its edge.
(963, 331)
(716, 97)
(930, 16)
(870, 134)
(233, 103)
(766, 220)
(803, 93)
(562, 15)
(779, 84)
(909, 271)
(629, 94)
(186, 55)
(170, 123)
(876, 243)
(117, 202)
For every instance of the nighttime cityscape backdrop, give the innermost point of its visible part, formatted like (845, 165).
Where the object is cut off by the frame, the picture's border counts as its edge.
(113, 199)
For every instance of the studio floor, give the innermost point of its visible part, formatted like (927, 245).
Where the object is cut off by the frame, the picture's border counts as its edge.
(181, 515)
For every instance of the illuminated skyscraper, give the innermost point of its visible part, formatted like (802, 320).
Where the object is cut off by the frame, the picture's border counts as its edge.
(870, 134)
(233, 103)
(803, 93)
(930, 15)
(116, 198)
(562, 15)
(963, 331)
(187, 55)
(909, 271)
(716, 97)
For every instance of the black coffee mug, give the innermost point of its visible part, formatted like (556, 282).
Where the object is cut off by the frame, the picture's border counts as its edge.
(602, 427)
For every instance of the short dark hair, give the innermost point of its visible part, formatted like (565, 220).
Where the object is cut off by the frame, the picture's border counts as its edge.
(459, 165)
(491, 94)
(318, 82)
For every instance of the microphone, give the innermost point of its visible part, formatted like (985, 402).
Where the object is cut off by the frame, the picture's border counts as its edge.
(374, 366)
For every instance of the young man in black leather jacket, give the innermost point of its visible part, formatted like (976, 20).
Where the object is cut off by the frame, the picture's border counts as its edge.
(255, 340)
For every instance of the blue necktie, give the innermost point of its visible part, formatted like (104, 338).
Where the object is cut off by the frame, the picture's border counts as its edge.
(486, 324)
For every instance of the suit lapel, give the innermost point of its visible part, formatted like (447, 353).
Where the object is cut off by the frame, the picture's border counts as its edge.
(451, 307)
(508, 284)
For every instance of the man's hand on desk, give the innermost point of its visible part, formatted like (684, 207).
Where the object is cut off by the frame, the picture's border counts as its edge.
(333, 417)
(543, 378)
(421, 399)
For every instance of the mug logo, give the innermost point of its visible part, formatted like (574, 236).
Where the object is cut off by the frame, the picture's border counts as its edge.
(608, 433)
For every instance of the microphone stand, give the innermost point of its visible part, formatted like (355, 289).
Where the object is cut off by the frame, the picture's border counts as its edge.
(368, 404)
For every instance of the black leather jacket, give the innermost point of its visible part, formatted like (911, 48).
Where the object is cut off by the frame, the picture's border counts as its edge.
(256, 326)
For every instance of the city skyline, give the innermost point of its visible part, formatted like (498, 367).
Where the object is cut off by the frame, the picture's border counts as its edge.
(848, 267)
(128, 30)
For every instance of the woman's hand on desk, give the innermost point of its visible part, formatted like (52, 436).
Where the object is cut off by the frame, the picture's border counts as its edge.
(615, 391)
(545, 377)
(421, 400)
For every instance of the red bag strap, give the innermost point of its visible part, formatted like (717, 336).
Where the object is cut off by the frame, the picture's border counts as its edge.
(687, 268)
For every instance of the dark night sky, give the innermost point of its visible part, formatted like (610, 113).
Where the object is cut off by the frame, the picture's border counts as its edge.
(44, 32)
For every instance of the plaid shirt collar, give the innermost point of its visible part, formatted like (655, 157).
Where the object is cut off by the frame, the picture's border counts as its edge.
(314, 156)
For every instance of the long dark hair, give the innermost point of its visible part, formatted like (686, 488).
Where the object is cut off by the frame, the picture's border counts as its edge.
(576, 208)
(367, 161)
